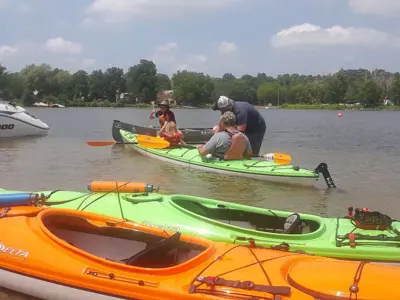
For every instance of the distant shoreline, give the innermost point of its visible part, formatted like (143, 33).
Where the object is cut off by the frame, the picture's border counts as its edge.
(260, 107)
(336, 107)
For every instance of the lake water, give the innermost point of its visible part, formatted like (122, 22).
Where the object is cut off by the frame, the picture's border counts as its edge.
(361, 149)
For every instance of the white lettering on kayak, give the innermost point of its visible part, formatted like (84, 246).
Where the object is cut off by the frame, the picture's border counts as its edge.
(13, 252)
(163, 227)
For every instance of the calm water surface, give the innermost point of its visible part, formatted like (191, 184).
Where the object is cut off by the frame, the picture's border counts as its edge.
(362, 150)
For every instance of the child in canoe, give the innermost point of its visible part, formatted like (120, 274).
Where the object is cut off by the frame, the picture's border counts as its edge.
(166, 118)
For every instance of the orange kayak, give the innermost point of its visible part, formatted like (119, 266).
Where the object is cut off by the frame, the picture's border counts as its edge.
(54, 253)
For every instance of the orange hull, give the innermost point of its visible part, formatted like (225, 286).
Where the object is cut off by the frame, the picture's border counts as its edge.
(66, 254)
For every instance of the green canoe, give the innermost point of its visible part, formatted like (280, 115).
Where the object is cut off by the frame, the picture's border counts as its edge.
(240, 224)
(188, 156)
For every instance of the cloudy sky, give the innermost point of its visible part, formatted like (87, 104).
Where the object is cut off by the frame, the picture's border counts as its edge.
(212, 36)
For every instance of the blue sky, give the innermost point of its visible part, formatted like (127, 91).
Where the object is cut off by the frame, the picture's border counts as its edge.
(211, 36)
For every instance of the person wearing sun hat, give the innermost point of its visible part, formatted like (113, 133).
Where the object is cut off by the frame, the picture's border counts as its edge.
(167, 120)
(248, 120)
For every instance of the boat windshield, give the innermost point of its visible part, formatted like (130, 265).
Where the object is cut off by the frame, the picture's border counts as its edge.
(29, 114)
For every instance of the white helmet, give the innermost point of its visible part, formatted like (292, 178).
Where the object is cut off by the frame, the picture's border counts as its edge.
(224, 102)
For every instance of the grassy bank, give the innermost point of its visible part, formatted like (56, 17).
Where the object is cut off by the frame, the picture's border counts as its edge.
(336, 107)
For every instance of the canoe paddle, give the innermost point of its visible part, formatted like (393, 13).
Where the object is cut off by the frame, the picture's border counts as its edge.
(143, 140)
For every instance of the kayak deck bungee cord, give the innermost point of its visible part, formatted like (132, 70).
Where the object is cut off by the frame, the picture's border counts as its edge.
(361, 234)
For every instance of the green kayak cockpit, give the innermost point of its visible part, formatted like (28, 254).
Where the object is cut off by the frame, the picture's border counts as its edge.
(265, 220)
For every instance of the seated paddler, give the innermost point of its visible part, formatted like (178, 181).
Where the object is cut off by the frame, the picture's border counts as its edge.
(168, 130)
(229, 143)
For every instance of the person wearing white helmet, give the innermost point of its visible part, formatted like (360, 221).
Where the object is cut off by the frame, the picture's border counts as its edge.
(248, 120)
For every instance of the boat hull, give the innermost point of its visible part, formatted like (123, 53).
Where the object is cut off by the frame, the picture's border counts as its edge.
(190, 135)
(44, 255)
(189, 158)
(11, 127)
(235, 223)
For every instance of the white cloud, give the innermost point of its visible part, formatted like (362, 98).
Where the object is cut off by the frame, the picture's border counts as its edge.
(378, 7)
(314, 36)
(169, 58)
(227, 47)
(62, 46)
(88, 62)
(7, 51)
(197, 58)
(183, 67)
(165, 54)
(112, 11)
(167, 47)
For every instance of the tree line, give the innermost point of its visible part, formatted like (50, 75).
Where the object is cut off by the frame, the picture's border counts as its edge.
(142, 82)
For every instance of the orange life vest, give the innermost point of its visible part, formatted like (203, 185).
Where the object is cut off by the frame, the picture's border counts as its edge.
(173, 139)
(237, 146)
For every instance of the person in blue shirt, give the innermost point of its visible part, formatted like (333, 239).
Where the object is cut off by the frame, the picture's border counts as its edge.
(248, 120)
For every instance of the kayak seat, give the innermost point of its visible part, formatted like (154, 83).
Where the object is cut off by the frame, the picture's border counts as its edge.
(162, 254)
(293, 224)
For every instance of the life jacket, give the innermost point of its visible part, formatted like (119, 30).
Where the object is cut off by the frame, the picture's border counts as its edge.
(370, 220)
(237, 145)
(161, 120)
(173, 138)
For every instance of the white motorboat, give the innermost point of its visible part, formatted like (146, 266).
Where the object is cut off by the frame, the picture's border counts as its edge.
(16, 121)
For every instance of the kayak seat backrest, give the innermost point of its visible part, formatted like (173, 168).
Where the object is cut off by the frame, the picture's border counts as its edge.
(292, 224)
(237, 147)
(162, 254)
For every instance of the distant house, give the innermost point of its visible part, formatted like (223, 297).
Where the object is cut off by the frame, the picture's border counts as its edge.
(167, 95)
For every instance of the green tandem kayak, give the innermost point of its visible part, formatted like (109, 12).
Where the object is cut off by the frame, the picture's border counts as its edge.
(188, 156)
(238, 224)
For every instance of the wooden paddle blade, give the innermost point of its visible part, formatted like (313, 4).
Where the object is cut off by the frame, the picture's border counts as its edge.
(100, 143)
(152, 142)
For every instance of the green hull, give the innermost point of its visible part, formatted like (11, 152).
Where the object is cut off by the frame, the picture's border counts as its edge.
(233, 223)
(189, 157)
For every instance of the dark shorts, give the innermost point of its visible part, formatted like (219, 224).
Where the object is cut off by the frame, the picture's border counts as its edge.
(256, 139)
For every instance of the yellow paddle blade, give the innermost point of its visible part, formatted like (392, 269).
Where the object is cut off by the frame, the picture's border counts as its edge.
(152, 142)
(279, 158)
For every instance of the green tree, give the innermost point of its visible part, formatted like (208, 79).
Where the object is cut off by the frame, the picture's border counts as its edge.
(243, 91)
(372, 93)
(142, 80)
(394, 90)
(192, 88)
(80, 85)
(97, 86)
(114, 82)
(163, 82)
(268, 92)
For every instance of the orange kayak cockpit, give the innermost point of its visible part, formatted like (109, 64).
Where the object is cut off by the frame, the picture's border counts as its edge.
(122, 243)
